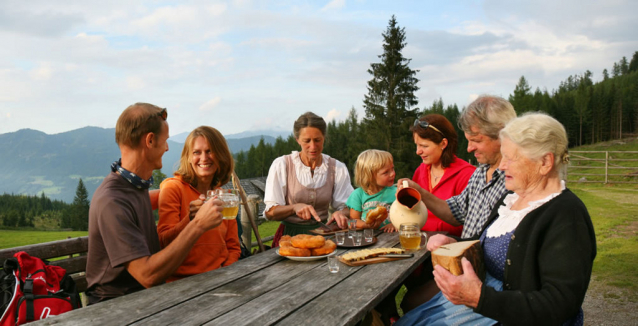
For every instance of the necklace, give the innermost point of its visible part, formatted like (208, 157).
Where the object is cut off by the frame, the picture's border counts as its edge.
(434, 179)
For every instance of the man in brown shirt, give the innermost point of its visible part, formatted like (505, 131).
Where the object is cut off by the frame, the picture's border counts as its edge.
(124, 253)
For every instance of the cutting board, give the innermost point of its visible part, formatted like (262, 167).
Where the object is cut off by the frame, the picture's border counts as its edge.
(369, 261)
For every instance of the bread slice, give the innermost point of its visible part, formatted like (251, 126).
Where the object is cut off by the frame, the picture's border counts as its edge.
(449, 257)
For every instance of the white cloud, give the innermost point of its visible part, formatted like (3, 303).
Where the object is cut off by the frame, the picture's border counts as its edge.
(135, 83)
(43, 72)
(208, 106)
(333, 115)
(334, 4)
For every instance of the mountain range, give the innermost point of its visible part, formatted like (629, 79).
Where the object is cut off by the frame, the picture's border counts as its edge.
(32, 162)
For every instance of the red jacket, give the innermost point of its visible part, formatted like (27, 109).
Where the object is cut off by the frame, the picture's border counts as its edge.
(452, 183)
(215, 248)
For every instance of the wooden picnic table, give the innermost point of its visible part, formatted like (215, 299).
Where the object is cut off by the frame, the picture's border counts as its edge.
(264, 289)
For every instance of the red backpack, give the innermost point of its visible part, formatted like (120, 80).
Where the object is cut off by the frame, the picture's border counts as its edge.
(32, 290)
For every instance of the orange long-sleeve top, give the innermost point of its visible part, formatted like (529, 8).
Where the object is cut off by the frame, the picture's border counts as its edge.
(215, 248)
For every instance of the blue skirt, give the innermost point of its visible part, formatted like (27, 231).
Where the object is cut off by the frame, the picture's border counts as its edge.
(440, 311)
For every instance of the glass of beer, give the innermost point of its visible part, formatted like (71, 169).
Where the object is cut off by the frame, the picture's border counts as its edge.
(230, 197)
(410, 237)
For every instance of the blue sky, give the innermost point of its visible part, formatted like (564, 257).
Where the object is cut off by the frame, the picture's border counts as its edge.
(249, 65)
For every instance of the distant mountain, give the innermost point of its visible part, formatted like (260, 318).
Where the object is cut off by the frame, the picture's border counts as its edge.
(267, 134)
(32, 162)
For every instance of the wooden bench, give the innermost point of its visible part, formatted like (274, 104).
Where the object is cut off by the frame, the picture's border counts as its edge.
(69, 254)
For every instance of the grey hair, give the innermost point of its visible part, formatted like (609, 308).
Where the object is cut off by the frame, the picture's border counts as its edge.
(487, 113)
(537, 134)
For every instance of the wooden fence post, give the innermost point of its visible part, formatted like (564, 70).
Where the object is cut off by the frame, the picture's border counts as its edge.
(606, 167)
(246, 224)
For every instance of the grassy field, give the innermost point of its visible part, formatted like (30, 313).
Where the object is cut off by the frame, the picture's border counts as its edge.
(15, 238)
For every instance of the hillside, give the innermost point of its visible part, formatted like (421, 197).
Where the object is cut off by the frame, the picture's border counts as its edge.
(33, 162)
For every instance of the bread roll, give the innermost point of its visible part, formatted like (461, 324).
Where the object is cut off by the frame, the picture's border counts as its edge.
(379, 213)
(449, 257)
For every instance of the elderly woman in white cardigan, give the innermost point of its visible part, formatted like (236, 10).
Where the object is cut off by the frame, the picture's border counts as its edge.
(539, 243)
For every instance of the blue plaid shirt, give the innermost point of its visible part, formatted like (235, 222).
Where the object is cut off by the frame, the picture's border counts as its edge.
(473, 206)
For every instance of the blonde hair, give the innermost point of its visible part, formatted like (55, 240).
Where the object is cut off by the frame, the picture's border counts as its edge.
(221, 153)
(537, 134)
(368, 164)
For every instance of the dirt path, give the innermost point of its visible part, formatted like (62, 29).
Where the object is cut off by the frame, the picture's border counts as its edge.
(605, 305)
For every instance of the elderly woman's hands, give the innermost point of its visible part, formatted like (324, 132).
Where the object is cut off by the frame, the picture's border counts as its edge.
(438, 240)
(463, 289)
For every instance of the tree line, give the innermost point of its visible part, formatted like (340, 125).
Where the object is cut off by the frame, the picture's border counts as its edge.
(24, 211)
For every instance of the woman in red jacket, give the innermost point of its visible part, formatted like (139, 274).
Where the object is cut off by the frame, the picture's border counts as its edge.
(441, 173)
(206, 164)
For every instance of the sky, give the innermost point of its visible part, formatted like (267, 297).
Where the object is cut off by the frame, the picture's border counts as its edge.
(257, 65)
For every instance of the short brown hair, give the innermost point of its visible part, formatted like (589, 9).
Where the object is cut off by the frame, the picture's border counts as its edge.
(487, 113)
(136, 121)
(445, 126)
(309, 119)
(219, 147)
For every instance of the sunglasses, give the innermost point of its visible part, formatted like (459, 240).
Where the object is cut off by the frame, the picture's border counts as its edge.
(163, 114)
(426, 125)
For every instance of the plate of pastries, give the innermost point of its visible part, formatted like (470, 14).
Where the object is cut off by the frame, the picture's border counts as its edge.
(305, 247)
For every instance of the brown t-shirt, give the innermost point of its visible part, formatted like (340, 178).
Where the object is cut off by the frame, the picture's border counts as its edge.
(121, 229)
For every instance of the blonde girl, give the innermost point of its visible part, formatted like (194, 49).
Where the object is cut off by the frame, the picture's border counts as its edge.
(374, 175)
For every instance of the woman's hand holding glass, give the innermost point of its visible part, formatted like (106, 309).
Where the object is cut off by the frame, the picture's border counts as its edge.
(209, 213)
(464, 289)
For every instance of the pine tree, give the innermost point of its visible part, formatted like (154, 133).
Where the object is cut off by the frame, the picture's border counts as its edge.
(158, 177)
(522, 98)
(77, 217)
(390, 101)
(633, 65)
(624, 66)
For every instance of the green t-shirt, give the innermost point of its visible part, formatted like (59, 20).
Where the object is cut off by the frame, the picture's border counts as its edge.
(360, 201)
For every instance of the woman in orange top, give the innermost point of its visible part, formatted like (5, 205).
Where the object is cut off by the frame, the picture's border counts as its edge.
(206, 164)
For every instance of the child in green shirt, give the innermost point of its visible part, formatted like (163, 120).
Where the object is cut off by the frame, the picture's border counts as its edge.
(374, 175)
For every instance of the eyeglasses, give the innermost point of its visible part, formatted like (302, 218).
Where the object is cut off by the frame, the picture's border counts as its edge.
(426, 125)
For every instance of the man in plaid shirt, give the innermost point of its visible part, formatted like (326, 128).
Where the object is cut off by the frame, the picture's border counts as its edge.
(481, 121)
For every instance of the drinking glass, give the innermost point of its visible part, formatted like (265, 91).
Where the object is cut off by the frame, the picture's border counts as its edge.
(357, 238)
(230, 197)
(341, 237)
(368, 234)
(410, 237)
(352, 227)
(333, 264)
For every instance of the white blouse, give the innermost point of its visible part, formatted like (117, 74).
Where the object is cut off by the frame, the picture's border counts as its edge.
(509, 219)
(275, 193)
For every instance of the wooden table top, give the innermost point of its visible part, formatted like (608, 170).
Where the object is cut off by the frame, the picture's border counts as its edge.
(264, 289)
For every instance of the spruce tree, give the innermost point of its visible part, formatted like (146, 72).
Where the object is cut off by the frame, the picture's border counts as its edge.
(78, 213)
(158, 177)
(390, 102)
